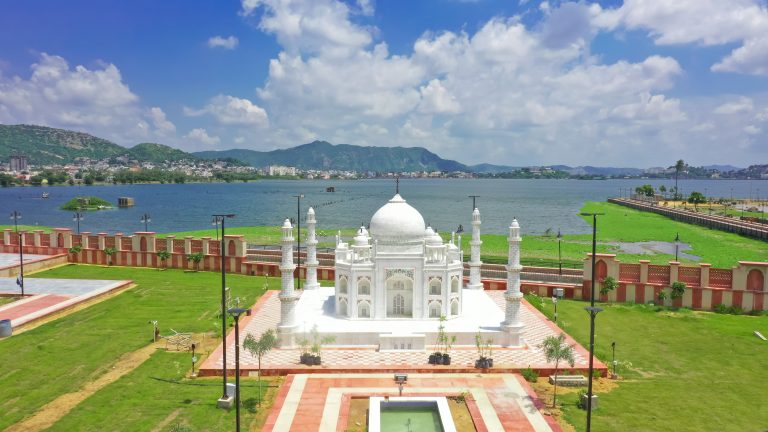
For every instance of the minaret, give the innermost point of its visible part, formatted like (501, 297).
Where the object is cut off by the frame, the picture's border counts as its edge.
(512, 326)
(311, 282)
(288, 298)
(475, 263)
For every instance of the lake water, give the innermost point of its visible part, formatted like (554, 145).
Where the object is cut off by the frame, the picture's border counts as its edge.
(444, 203)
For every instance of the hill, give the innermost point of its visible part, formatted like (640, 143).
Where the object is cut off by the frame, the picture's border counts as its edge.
(152, 152)
(44, 145)
(324, 155)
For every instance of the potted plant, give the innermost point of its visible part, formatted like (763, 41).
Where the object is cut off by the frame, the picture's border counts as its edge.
(305, 357)
(448, 344)
(441, 340)
(484, 351)
(489, 350)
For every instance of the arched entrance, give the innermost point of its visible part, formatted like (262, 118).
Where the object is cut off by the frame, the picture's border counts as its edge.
(601, 269)
(399, 297)
(755, 280)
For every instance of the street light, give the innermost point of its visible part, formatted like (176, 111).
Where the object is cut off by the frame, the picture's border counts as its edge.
(593, 311)
(298, 234)
(15, 217)
(20, 278)
(236, 312)
(77, 217)
(223, 252)
(146, 219)
(559, 253)
(215, 222)
(677, 245)
(474, 197)
(613, 358)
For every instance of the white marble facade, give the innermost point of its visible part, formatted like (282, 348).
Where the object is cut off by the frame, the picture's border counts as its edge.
(400, 269)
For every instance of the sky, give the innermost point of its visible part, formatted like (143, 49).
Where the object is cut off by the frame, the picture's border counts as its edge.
(638, 83)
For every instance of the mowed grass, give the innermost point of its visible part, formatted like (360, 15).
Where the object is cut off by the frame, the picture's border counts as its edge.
(266, 235)
(59, 357)
(158, 396)
(26, 228)
(682, 370)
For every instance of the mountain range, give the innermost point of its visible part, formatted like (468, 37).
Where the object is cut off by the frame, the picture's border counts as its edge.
(44, 145)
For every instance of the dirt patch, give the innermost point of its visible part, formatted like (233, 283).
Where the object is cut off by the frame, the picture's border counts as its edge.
(460, 413)
(566, 395)
(50, 413)
(358, 415)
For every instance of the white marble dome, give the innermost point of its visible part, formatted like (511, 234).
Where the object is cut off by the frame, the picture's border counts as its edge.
(397, 220)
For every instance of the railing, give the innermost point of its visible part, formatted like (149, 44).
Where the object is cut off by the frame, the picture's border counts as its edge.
(658, 274)
(161, 244)
(214, 248)
(45, 240)
(126, 243)
(196, 246)
(690, 275)
(720, 278)
(629, 272)
(178, 246)
(109, 242)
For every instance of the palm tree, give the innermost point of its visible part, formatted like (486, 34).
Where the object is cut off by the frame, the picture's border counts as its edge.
(555, 349)
(679, 165)
(258, 348)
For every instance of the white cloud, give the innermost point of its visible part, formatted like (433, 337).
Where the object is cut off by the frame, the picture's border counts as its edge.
(436, 99)
(741, 105)
(96, 101)
(163, 125)
(201, 135)
(228, 43)
(230, 110)
(705, 22)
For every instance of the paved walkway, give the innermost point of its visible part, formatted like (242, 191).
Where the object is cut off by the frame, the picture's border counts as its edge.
(320, 402)
(266, 314)
(12, 259)
(49, 296)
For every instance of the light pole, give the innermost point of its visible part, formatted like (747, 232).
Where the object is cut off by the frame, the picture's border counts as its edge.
(559, 253)
(613, 358)
(20, 279)
(15, 217)
(593, 311)
(223, 252)
(236, 312)
(677, 244)
(77, 217)
(215, 222)
(298, 238)
(146, 219)
(474, 197)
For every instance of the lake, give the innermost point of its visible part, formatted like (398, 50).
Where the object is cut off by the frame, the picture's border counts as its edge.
(444, 203)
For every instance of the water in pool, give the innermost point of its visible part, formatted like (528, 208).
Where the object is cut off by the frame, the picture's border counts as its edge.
(410, 419)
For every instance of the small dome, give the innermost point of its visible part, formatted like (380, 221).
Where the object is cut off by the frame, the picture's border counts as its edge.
(433, 238)
(397, 220)
(287, 224)
(361, 238)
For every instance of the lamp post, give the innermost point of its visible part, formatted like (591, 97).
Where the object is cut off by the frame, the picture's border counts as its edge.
(677, 245)
(77, 217)
(15, 217)
(215, 222)
(20, 279)
(559, 253)
(613, 358)
(298, 239)
(474, 197)
(223, 252)
(146, 219)
(236, 312)
(593, 311)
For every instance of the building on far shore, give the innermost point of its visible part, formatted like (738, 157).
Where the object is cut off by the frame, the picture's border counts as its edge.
(18, 163)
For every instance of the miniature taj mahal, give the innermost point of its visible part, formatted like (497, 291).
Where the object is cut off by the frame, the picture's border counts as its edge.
(393, 282)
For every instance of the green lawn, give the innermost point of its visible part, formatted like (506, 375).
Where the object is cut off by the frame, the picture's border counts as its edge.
(265, 235)
(26, 228)
(719, 248)
(688, 371)
(59, 357)
(6, 300)
(157, 392)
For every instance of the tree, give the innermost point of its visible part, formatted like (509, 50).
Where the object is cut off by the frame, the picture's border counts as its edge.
(697, 198)
(109, 252)
(677, 290)
(196, 258)
(609, 284)
(163, 255)
(555, 349)
(646, 190)
(258, 348)
(662, 189)
(679, 165)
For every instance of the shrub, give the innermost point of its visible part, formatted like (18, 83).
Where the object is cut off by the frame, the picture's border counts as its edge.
(735, 310)
(720, 308)
(529, 374)
(581, 399)
(609, 284)
(678, 289)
